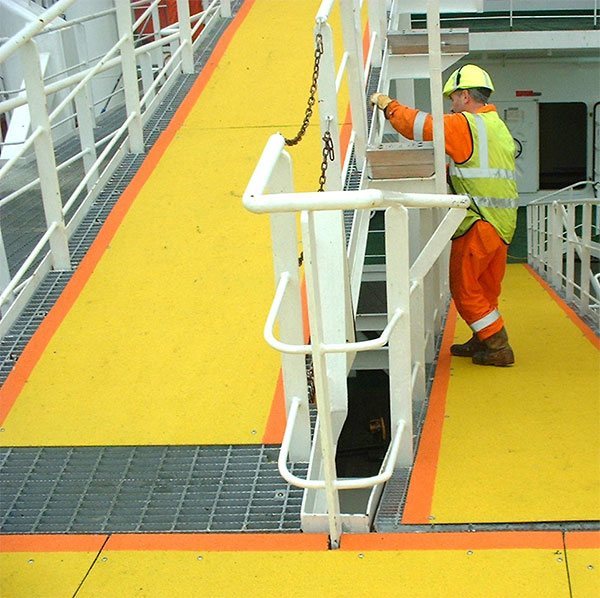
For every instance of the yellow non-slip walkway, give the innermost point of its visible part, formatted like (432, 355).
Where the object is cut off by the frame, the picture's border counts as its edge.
(158, 337)
(507, 565)
(158, 340)
(518, 444)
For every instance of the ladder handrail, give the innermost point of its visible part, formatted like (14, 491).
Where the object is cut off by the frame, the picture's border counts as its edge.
(339, 483)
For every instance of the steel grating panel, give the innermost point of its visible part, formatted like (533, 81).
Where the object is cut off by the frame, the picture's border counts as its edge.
(146, 489)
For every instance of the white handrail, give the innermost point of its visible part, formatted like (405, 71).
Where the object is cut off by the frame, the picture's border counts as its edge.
(339, 484)
(546, 198)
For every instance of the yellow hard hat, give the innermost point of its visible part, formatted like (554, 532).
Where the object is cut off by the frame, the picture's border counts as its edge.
(468, 76)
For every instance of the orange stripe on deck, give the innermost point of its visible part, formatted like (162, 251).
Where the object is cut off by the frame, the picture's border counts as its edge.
(35, 348)
(589, 539)
(422, 482)
(52, 543)
(453, 541)
(587, 331)
(219, 542)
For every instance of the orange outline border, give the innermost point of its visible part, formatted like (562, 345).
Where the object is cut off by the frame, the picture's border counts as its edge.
(52, 543)
(35, 347)
(422, 482)
(454, 541)
(574, 540)
(587, 331)
(300, 542)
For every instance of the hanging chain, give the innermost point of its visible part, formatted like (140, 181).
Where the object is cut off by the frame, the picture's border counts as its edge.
(328, 156)
(312, 97)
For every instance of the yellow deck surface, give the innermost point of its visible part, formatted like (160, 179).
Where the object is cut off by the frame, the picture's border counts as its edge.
(427, 566)
(522, 443)
(164, 343)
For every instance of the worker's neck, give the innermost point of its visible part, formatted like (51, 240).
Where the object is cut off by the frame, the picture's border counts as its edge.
(473, 107)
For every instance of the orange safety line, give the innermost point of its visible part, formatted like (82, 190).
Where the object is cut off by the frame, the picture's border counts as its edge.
(587, 331)
(52, 542)
(219, 542)
(589, 539)
(453, 541)
(422, 481)
(35, 347)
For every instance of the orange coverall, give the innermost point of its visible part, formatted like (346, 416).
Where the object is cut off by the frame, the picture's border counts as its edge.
(477, 258)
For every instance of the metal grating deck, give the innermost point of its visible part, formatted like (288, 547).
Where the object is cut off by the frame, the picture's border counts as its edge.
(146, 489)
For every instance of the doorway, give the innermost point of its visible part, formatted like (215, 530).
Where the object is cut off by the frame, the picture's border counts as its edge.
(563, 144)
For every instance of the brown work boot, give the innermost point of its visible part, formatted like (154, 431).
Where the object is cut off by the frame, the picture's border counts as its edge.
(468, 349)
(497, 351)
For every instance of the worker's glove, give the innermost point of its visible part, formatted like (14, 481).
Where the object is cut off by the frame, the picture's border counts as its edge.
(380, 100)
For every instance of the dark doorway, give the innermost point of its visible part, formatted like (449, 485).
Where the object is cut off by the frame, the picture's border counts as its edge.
(563, 144)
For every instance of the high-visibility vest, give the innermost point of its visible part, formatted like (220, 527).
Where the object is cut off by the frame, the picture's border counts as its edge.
(488, 176)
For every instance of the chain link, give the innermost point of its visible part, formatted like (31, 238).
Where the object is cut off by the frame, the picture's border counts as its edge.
(328, 156)
(312, 97)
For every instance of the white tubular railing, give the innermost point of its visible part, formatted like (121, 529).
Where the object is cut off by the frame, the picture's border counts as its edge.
(51, 100)
(562, 233)
(273, 172)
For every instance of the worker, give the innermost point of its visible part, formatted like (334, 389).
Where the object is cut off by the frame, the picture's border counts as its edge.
(482, 166)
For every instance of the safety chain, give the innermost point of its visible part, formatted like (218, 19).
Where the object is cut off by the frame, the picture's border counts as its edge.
(312, 95)
(328, 155)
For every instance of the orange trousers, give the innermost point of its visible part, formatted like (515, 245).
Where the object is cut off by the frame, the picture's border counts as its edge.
(477, 267)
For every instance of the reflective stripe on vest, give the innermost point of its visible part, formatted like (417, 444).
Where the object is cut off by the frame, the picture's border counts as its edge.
(488, 176)
(419, 125)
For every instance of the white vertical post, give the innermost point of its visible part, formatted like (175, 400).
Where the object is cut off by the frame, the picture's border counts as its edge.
(556, 245)
(327, 371)
(378, 25)
(437, 111)
(185, 36)
(4, 273)
(145, 60)
(44, 153)
(291, 330)
(351, 32)
(586, 238)
(570, 247)
(130, 82)
(417, 336)
(225, 9)
(328, 105)
(84, 109)
(400, 355)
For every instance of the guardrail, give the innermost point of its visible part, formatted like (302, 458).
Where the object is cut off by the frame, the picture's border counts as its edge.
(563, 237)
(65, 98)
(270, 190)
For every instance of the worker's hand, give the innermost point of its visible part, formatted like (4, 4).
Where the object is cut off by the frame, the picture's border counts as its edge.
(380, 100)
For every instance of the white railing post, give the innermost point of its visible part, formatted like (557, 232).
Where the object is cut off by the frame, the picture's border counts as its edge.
(44, 153)
(328, 105)
(556, 245)
(83, 108)
(351, 31)
(185, 36)
(378, 26)
(400, 356)
(570, 244)
(586, 239)
(130, 81)
(329, 370)
(4, 273)
(417, 339)
(291, 330)
(225, 9)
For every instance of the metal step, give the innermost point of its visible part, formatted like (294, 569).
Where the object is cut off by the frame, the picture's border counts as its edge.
(409, 42)
(400, 160)
(418, 6)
